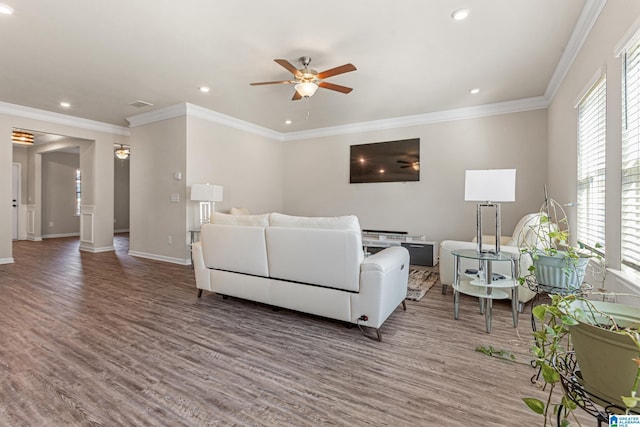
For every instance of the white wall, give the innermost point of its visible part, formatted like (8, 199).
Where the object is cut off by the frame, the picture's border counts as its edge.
(597, 52)
(58, 194)
(248, 166)
(158, 226)
(316, 175)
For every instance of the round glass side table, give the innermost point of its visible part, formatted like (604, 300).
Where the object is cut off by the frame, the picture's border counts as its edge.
(483, 284)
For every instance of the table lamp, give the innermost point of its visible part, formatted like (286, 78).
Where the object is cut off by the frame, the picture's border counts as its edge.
(207, 195)
(488, 187)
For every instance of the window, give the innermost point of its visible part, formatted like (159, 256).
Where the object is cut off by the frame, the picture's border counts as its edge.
(592, 118)
(631, 157)
(78, 192)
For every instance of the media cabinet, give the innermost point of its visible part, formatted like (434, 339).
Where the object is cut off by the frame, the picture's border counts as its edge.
(421, 252)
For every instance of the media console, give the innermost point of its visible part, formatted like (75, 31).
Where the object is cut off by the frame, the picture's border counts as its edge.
(421, 252)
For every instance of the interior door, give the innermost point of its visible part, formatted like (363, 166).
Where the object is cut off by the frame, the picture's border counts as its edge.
(15, 198)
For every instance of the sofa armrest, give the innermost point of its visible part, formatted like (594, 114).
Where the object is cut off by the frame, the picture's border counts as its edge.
(488, 239)
(383, 286)
(386, 260)
(203, 275)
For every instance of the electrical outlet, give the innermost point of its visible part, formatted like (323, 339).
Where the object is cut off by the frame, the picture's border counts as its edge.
(170, 240)
(50, 223)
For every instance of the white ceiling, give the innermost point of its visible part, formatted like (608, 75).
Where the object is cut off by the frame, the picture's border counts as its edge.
(412, 58)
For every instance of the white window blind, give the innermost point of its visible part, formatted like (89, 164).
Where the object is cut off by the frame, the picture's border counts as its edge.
(631, 157)
(592, 119)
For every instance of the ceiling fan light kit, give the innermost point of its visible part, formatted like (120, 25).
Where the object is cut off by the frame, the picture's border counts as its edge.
(307, 80)
(123, 152)
(306, 89)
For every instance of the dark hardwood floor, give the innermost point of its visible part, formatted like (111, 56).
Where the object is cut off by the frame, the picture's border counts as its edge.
(108, 339)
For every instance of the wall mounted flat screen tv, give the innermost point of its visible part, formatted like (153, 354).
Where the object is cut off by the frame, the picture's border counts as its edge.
(392, 161)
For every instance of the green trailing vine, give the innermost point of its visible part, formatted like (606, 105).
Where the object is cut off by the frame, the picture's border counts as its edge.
(553, 339)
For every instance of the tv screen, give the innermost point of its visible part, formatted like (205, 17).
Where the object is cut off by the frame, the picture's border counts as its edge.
(392, 161)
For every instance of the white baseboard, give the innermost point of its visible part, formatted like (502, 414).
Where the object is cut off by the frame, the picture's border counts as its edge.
(96, 250)
(34, 239)
(160, 258)
(122, 230)
(54, 236)
(6, 261)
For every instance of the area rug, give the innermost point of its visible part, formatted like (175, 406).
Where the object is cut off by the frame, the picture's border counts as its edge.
(420, 281)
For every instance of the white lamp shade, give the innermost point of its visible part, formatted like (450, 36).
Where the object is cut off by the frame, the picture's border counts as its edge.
(206, 192)
(306, 89)
(490, 185)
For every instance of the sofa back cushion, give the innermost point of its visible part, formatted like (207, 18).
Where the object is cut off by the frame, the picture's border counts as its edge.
(347, 222)
(237, 249)
(320, 251)
(230, 219)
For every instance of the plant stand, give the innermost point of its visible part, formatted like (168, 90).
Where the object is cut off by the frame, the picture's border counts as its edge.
(545, 289)
(571, 381)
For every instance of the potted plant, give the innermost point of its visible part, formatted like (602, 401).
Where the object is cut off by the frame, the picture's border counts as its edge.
(606, 342)
(557, 267)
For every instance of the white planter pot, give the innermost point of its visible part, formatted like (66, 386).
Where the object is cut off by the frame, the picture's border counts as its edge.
(559, 273)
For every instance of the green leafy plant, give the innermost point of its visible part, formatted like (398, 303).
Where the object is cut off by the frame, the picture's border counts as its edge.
(496, 352)
(548, 236)
(553, 339)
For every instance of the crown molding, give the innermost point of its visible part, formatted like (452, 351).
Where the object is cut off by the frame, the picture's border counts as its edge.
(192, 110)
(61, 119)
(232, 122)
(588, 17)
(505, 107)
(157, 115)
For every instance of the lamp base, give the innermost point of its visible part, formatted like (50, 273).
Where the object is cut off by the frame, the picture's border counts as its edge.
(479, 207)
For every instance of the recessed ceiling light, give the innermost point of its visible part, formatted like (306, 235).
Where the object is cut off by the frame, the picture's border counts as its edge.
(64, 104)
(474, 91)
(204, 89)
(460, 14)
(287, 122)
(6, 9)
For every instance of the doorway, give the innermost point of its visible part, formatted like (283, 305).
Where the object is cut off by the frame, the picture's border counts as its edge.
(16, 186)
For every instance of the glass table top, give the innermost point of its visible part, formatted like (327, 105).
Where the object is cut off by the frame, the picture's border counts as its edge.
(484, 256)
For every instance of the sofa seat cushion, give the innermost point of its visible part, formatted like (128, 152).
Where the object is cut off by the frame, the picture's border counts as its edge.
(237, 249)
(329, 258)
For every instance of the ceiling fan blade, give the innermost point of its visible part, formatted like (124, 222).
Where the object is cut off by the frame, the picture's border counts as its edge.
(337, 88)
(337, 70)
(283, 82)
(288, 65)
(296, 96)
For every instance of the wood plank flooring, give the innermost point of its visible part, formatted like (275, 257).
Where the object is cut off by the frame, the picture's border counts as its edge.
(108, 339)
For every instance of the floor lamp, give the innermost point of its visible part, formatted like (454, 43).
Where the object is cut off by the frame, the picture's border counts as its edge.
(488, 187)
(207, 195)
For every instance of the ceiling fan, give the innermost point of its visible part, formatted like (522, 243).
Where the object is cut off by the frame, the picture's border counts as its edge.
(307, 80)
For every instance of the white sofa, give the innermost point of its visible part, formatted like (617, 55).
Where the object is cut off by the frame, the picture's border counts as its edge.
(310, 264)
(522, 234)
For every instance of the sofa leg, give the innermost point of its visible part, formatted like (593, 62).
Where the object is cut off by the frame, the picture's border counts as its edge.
(225, 296)
(199, 293)
(379, 334)
(404, 305)
(520, 307)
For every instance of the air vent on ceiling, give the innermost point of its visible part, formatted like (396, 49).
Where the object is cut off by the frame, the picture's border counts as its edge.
(140, 104)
